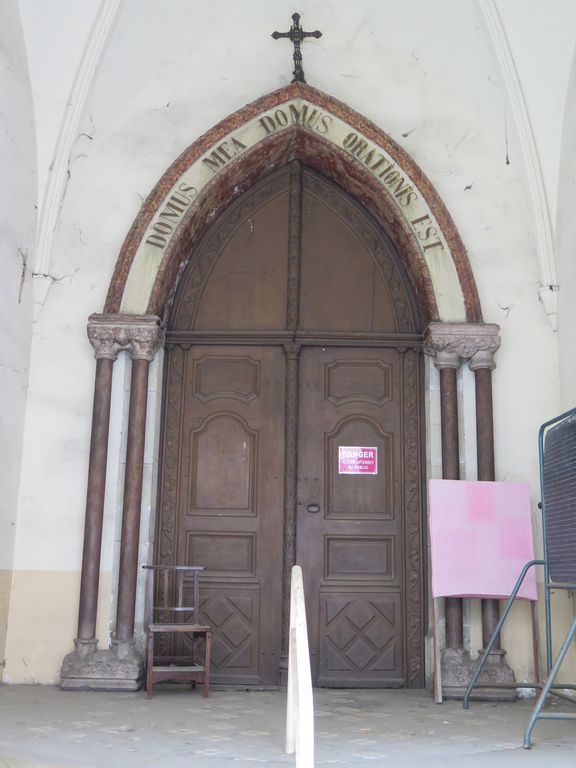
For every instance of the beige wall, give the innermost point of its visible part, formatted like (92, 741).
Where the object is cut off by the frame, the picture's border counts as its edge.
(5, 584)
(43, 622)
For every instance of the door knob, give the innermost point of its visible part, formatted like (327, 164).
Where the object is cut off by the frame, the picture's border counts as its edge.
(313, 508)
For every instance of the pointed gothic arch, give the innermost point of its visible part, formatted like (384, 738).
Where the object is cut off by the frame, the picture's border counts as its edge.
(295, 122)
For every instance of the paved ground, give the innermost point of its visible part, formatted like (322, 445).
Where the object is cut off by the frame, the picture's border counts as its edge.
(45, 727)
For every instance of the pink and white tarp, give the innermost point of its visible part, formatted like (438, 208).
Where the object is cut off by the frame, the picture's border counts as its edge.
(480, 538)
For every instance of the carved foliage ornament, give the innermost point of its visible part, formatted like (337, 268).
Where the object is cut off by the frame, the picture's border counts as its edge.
(450, 343)
(413, 521)
(140, 335)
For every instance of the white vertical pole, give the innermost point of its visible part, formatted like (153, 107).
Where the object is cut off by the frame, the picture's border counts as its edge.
(300, 702)
(290, 698)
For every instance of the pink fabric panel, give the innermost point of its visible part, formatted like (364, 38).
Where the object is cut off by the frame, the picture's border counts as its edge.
(480, 538)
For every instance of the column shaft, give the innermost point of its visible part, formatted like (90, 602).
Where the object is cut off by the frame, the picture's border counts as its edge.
(128, 571)
(451, 471)
(486, 471)
(95, 502)
(484, 424)
(449, 424)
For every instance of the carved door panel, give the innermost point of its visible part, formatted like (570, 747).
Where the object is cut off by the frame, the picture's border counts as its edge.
(230, 486)
(350, 526)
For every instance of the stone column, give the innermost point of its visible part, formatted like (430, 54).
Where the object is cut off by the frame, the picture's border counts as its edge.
(102, 338)
(141, 335)
(451, 344)
(444, 341)
(482, 363)
(130, 538)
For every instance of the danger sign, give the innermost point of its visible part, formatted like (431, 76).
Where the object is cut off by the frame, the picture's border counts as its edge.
(354, 460)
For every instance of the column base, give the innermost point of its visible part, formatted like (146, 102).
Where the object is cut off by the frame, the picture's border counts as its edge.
(496, 672)
(457, 671)
(102, 671)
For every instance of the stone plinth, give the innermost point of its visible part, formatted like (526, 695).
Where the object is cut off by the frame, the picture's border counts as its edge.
(102, 671)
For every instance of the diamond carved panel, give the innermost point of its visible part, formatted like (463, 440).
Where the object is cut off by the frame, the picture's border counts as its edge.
(362, 637)
(234, 621)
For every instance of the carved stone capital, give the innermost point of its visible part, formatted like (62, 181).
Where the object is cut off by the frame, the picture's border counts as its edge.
(451, 343)
(446, 359)
(140, 335)
(484, 358)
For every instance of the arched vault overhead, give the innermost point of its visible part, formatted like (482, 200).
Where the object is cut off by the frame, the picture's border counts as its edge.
(295, 122)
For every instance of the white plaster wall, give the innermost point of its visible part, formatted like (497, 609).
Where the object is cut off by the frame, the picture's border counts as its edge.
(425, 73)
(17, 222)
(541, 37)
(55, 34)
(566, 249)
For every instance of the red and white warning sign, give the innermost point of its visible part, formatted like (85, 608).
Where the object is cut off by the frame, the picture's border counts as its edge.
(354, 460)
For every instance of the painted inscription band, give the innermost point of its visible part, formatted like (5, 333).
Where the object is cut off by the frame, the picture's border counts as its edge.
(297, 112)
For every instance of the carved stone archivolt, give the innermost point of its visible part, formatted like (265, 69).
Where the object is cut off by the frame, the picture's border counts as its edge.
(140, 335)
(452, 343)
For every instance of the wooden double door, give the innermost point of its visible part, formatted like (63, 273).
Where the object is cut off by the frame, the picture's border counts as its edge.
(292, 434)
(356, 533)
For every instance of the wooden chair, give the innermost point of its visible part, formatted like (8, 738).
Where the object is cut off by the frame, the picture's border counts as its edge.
(170, 614)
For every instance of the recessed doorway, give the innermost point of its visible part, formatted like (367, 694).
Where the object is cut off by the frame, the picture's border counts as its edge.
(292, 430)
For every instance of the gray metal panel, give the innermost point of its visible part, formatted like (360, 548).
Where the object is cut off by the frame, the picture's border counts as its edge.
(559, 497)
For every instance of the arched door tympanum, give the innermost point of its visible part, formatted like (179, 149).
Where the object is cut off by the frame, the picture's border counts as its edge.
(292, 431)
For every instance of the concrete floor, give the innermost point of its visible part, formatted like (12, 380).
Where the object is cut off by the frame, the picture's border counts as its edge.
(45, 727)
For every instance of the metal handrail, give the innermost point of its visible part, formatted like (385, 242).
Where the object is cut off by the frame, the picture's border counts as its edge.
(300, 702)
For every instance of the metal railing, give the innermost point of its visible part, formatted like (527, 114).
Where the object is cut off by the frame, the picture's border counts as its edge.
(300, 702)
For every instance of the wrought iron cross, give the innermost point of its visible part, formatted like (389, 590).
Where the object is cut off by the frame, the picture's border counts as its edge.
(297, 35)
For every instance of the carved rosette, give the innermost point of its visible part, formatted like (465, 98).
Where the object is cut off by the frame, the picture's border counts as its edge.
(140, 335)
(452, 343)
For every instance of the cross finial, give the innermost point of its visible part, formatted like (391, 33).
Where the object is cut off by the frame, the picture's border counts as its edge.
(297, 35)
